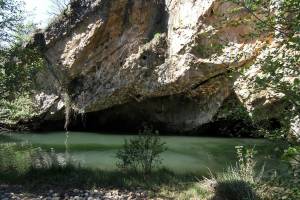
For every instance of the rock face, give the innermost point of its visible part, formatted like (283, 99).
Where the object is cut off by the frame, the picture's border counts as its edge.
(161, 62)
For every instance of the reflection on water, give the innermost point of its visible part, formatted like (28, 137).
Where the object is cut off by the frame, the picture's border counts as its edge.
(67, 154)
(184, 154)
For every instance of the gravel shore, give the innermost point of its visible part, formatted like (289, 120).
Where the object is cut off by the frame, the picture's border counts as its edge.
(19, 193)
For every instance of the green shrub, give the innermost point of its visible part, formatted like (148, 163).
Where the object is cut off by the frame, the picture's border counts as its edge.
(287, 185)
(292, 155)
(16, 158)
(141, 154)
(19, 108)
(244, 170)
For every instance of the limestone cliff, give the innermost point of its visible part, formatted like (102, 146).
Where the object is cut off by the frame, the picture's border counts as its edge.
(153, 61)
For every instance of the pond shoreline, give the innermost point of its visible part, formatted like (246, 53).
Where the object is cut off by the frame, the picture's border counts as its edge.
(98, 150)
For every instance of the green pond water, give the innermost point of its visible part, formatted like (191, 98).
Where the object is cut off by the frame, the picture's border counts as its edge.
(184, 154)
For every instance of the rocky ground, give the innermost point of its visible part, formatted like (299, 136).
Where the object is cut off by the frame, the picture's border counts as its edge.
(18, 193)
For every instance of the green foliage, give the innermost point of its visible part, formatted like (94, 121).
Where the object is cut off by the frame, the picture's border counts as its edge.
(20, 158)
(244, 169)
(11, 20)
(239, 182)
(18, 66)
(14, 158)
(280, 65)
(20, 108)
(292, 152)
(292, 155)
(243, 181)
(282, 74)
(141, 154)
(280, 187)
(157, 35)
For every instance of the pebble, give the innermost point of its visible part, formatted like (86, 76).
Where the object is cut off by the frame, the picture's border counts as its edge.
(76, 198)
(76, 191)
(55, 195)
(7, 193)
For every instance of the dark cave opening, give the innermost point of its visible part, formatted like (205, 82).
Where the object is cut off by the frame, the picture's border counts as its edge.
(170, 115)
(91, 122)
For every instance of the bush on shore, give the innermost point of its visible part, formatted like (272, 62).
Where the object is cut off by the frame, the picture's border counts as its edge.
(19, 158)
(141, 154)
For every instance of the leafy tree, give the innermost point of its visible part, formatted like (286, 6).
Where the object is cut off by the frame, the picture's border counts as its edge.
(18, 65)
(11, 19)
(280, 65)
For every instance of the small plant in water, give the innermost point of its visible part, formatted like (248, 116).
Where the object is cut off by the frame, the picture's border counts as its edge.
(142, 153)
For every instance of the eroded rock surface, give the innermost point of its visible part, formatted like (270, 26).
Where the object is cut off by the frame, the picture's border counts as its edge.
(170, 57)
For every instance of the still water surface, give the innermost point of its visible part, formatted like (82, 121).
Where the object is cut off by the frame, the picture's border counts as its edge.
(184, 154)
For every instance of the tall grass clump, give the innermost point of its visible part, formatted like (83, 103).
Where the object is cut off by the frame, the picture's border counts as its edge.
(239, 182)
(244, 169)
